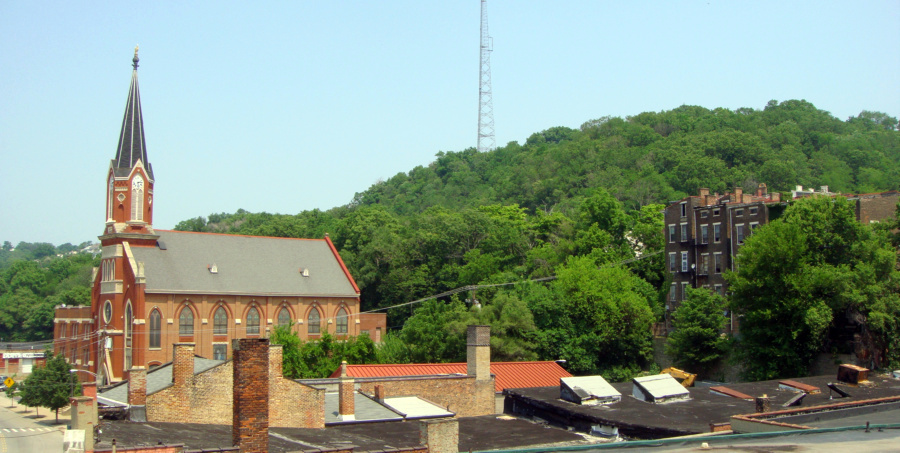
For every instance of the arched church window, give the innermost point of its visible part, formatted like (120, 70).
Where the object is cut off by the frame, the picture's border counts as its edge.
(137, 198)
(284, 317)
(341, 321)
(253, 321)
(155, 328)
(186, 322)
(220, 322)
(129, 331)
(109, 199)
(314, 322)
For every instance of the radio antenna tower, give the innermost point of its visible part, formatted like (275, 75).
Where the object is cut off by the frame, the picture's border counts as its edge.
(485, 102)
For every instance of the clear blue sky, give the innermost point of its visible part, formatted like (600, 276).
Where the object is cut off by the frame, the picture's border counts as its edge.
(289, 106)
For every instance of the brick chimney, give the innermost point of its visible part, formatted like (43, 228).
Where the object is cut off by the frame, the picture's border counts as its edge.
(346, 405)
(137, 394)
(89, 389)
(250, 409)
(83, 412)
(137, 386)
(379, 393)
(440, 435)
(478, 352)
(276, 361)
(183, 364)
(762, 190)
(738, 195)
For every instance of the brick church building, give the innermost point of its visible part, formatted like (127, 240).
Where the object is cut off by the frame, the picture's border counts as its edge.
(155, 288)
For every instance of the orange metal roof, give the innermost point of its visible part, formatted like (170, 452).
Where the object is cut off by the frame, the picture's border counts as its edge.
(507, 374)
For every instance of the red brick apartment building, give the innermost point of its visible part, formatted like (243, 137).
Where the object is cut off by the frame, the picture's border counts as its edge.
(156, 288)
(704, 232)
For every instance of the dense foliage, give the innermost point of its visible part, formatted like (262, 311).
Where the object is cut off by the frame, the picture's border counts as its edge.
(696, 341)
(570, 203)
(803, 279)
(34, 278)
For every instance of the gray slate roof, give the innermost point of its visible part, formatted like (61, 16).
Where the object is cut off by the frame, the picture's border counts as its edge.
(245, 265)
(132, 142)
(157, 379)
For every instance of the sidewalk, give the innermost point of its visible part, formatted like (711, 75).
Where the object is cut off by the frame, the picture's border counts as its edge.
(41, 415)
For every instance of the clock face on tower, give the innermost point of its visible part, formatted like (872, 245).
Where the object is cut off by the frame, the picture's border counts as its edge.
(138, 183)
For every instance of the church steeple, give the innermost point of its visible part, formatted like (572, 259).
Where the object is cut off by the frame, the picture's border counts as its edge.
(132, 142)
(129, 201)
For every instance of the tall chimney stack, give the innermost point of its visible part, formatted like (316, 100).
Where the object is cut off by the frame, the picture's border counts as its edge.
(250, 424)
(346, 405)
(478, 352)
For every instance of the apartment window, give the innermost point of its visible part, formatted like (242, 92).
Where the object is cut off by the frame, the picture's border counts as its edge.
(753, 226)
(220, 322)
(719, 290)
(252, 321)
(739, 230)
(673, 292)
(186, 322)
(155, 328)
(672, 233)
(220, 351)
(716, 212)
(718, 262)
(341, 321)
(704, 234)
(284, 317)
(738, 212)
(704, 214)
(87, 356)
(313, 322)
(704, 264)
(683, 209)
(684, 261)
(684, 287)
(672, 267)
(684, 232)
(717, 232)
(754, 210)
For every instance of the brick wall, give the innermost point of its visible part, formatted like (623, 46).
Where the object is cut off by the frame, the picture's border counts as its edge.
(440, 436)
(208, 398)
(463, 395)
(291, 404)
(876, 207)
(250, 427)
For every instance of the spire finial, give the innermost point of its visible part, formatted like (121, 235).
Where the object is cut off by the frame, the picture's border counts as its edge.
(135, 60)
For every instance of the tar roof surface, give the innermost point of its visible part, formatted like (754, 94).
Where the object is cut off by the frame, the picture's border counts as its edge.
(475, 433)
(245, 265)
(694, 416)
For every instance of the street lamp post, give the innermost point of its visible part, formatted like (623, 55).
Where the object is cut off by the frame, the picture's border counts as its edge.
(76, 370)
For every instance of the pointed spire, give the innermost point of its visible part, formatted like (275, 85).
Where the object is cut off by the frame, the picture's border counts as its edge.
(132, 143)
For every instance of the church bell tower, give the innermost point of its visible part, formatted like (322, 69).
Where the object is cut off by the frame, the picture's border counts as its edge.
(129, 195)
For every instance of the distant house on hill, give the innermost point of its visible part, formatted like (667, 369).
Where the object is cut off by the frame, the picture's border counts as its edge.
(158, 288)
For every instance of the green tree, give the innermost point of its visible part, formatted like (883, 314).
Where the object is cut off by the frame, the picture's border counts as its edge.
(597, 319)
(50, 385)
(797, 273)
(697, 341)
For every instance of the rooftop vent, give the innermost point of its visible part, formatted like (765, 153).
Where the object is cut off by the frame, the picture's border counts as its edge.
(304, 272)
(659, 388)
(587, 390)
(213, 269)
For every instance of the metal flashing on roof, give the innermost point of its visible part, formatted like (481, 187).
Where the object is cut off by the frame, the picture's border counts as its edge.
(795, 386)
(725, 391)
(588, 390)
(659, 388)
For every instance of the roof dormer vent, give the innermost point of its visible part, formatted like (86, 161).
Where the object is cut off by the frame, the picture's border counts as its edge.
(304, 272)
(213, 269)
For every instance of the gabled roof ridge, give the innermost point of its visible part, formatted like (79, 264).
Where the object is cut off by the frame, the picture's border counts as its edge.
(210, 233)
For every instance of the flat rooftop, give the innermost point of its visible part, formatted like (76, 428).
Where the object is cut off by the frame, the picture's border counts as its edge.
(475, 433)
(642, 420)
